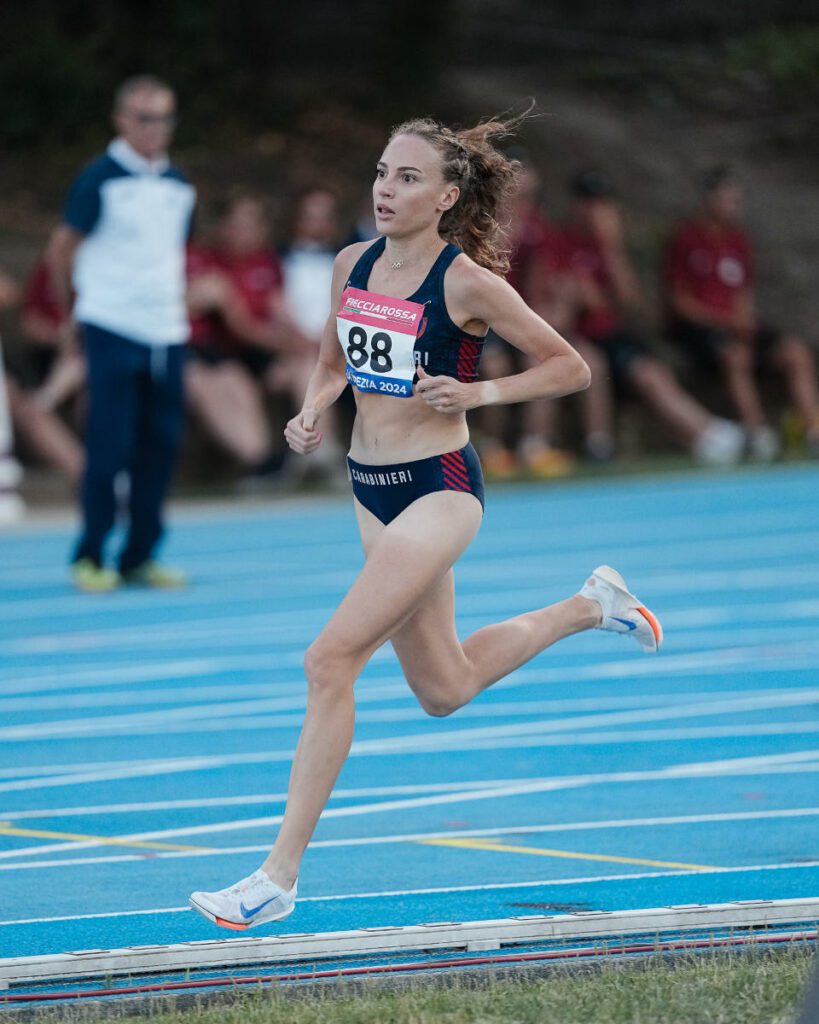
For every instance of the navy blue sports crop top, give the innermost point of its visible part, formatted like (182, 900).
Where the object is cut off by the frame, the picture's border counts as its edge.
(442, 348)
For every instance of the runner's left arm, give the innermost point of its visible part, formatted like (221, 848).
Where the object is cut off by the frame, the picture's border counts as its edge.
(476, 299)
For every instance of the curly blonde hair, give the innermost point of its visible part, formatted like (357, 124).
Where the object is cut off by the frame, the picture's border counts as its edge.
(487, 180)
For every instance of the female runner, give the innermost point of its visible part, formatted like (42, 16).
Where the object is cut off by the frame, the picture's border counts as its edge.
(410, 313)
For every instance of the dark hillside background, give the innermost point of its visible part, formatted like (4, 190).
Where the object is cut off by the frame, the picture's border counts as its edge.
(278, 95)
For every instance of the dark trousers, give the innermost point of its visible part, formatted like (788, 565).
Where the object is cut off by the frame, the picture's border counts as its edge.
(135, 419)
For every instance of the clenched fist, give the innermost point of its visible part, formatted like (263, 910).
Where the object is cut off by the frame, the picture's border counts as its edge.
(445, 394)
(301, 434)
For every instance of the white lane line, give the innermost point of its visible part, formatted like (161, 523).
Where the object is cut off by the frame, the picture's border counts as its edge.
(492, 886)
(799, 537)
(134, 722)
(53, 680)
(387, 791)
(218, 717)
(269, 630)
(765, 642)
(259, 518)
(51, 776)
(246, 593)
(706, 769)
(222, 712)
(656, 581)
(511, 830)
(801, 727)
(137, 770)
(443, 740)
(45, 679)
(135, 698)
(577, 550)
(195, 694)
(255, 798)
(481, 570)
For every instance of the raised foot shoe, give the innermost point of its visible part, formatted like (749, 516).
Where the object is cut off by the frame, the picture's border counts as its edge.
(253, 901)
(154, 574)
(91, 578)
(622, 611)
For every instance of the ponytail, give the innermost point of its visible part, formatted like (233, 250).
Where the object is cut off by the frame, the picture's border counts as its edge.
(487, 180)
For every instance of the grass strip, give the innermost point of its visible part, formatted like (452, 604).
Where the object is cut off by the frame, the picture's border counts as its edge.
(722, 988)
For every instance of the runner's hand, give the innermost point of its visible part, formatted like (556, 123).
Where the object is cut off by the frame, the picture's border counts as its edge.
(445, 394)
(301, 434)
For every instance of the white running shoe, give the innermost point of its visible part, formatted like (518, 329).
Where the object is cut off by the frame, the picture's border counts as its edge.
(720, 444)
(252, 901)
(622, 611)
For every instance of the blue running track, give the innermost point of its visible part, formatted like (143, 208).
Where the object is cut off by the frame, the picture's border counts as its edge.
(145, 738)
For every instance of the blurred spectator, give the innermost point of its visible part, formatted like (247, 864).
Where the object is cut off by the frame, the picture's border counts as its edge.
(11, 505)
(46, 373)
(308, 261)
(610, 297)
(364, 227)
(710, 297)
(535, 275)
(240, 331)
(122, 242)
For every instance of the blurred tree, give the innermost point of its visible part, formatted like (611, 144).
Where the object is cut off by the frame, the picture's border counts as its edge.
(253, 66)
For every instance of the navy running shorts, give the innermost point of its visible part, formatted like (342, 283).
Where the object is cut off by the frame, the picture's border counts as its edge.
(387, 490)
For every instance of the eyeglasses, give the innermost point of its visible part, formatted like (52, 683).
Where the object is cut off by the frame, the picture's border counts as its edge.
(142, 118)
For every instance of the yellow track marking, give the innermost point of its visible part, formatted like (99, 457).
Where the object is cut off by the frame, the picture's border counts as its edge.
(488, 844)
(7, 829)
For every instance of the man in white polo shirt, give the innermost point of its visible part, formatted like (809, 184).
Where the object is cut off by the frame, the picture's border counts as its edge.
(122, 245)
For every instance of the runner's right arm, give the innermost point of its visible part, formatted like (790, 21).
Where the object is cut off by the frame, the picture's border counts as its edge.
(328, 379)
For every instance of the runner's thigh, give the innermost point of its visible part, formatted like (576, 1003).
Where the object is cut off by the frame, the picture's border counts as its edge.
(407, 558)
(427, 644)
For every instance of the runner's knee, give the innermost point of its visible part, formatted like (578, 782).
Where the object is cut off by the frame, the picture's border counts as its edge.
(439, 697)
(439, 705)
(327, 668)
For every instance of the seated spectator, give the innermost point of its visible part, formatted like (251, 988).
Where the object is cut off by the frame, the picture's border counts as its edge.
(363, 228)
(535, 275)
(239, 330)
(12, 507)
(46, 374)
(709, 293)
(609, 297)
(308, 260)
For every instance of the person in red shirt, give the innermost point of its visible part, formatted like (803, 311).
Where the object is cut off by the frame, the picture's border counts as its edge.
(46, 373)
(609, 299)
(708, 284)
(240, 330)
(536, 274)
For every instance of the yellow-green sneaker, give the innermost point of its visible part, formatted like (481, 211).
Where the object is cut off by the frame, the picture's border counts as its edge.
(91, 578)
(152, 574)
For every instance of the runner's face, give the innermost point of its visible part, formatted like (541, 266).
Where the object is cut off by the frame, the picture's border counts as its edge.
(409, 191)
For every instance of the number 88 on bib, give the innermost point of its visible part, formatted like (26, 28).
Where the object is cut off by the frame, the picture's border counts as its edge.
(377, 334)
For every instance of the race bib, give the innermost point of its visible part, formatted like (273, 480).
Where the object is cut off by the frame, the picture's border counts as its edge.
(378, 336)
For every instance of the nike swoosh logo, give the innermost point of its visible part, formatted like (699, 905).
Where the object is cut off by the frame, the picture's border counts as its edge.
(255, 910)
(631, 625)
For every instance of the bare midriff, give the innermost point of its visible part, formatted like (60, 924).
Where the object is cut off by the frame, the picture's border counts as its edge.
(389, 430)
